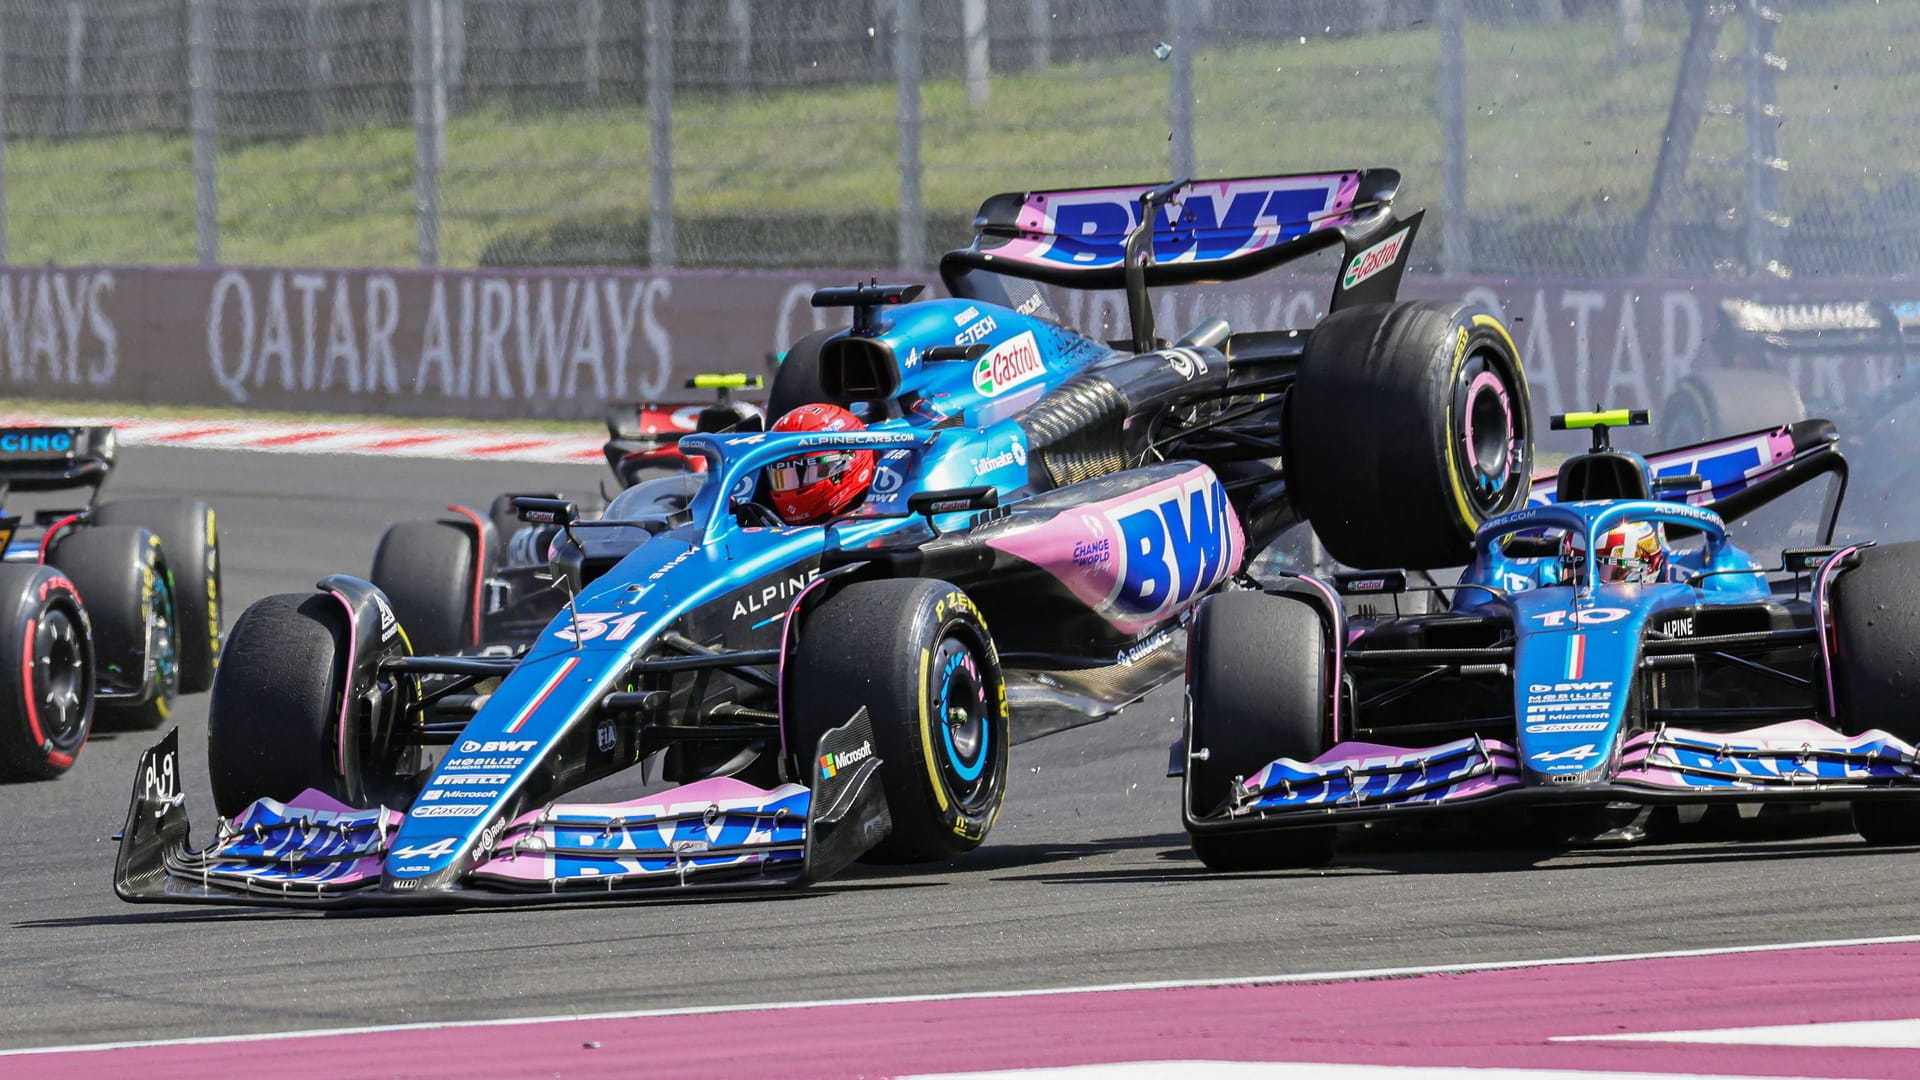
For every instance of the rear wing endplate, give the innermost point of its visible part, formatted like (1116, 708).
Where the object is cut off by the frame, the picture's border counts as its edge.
(54, 458)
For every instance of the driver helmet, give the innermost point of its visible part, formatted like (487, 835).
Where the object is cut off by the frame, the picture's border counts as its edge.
(812, 487)
(1630, 552)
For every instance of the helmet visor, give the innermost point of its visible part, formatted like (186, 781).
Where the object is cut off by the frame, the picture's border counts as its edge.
(800, 472)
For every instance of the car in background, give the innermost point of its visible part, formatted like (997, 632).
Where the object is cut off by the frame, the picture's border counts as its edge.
(108, 608)
(1608, 650)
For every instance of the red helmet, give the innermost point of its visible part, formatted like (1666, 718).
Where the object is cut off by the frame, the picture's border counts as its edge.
(815, 486)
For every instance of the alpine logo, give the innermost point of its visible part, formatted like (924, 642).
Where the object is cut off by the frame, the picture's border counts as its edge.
(754, 601)
(1375, 259)
(1012, 363)
(389, 625)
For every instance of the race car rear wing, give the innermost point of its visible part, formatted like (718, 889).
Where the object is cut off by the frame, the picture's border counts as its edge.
(1824, 326)
(1203, 231)
(55, 458)
(1738, 474)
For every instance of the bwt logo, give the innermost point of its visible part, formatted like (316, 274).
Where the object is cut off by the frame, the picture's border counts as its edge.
(515, 746)
(1174, 545)
(1090, 230)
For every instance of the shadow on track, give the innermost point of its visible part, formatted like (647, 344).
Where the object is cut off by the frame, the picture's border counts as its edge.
(160, 914)
(1416, 852)
(994, 858)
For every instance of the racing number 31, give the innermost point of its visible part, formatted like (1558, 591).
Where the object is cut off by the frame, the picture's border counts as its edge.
(594, 624)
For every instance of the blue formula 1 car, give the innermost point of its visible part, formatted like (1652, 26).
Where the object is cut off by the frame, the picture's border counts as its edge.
(1608, 650)
(1038, 510)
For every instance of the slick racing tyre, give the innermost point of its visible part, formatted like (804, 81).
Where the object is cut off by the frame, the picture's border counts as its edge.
(427, 570)
(1409, 425)
(46, 673)
(797, 382)
(121, 571)
(273, 722)
(917, 655)
(1876, 669)
(1710, 404)
(191, 544)
(1257, 690)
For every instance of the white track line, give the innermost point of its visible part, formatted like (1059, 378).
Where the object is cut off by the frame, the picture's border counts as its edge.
(1873, 1034)
(1298, 1070)
(319, 437)
(977, 995)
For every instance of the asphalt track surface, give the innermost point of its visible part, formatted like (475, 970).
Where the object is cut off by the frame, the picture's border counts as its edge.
(1085, 880)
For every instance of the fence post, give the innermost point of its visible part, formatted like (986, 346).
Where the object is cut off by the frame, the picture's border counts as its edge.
(319, 62)
(1456, 253)
(76, 116)
(3, 142)
(590, 19)
(455, 24)
(1180, 155)
(1039, 35)
(1633, 22)
(204, 123)
(1684, 113)
(886, 19)
(660, 239)
(1763, 162)
(429, 121)
(906, 73)
(739, 42)
(973, 33)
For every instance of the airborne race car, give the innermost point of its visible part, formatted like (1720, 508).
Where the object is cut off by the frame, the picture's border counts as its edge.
(827, 692)
(115, 605)
(1545, 686)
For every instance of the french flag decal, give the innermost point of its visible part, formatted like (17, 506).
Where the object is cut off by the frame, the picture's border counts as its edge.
(1576, 656)
(545, 692)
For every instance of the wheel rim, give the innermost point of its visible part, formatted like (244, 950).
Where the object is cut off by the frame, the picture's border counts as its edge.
(163, 646)
(1493, 435)
(62, 685)
(965, 738)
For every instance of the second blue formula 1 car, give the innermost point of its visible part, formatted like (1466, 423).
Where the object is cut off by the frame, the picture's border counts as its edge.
(1036, 512)
(1606, 651)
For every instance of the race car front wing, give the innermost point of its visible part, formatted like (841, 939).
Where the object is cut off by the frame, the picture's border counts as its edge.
(1359, 781)
(313, 850)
